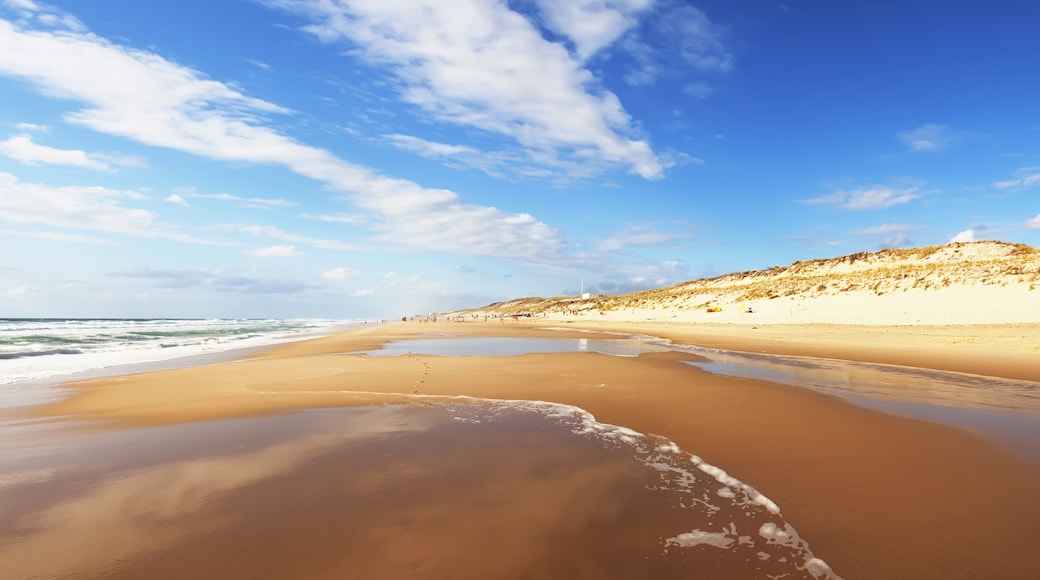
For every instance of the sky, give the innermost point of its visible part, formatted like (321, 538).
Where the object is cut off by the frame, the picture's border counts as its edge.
(387, 158)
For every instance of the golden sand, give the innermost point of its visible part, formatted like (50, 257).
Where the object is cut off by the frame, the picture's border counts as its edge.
(876, 495)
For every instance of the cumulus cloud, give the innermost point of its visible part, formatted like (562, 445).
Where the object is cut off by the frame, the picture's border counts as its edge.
(477, 63)
(875, 197)
(1034, 224)
(276, 252)
(22, 149)
(967, 235)
(591, 25)
(141, 96)
(931, 138)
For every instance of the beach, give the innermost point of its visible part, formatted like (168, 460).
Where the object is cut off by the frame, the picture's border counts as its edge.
(321, 458)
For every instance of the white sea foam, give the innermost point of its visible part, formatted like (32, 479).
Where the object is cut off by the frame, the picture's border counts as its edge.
(41, 349)
(678, 474)
(699, 537)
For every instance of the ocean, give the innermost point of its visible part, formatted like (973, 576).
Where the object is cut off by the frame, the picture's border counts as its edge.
(36, 350)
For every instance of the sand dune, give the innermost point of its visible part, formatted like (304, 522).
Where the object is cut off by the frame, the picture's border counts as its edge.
(962, 283)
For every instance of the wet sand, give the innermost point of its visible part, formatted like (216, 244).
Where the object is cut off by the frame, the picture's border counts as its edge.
(875, 495)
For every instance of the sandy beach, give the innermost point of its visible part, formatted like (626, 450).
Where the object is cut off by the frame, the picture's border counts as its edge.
(875, 495)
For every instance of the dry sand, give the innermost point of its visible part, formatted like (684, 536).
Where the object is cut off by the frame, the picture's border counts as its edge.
(876, 495)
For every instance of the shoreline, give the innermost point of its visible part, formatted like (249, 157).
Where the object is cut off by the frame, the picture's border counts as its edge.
(875, 494)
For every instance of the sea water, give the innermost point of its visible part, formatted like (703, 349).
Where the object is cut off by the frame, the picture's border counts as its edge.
(40, 349)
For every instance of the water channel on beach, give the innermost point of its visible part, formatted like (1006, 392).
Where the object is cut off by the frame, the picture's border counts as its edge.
(1005, 409)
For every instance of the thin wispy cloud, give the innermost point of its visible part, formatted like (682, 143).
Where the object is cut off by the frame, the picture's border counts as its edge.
(60, 237)
(254, 202)
(336, 218)
(1024, 178)
(868, 198)
(262, 286)
(931, 138)
(676, 39)
(172, 278)
(22, 149)
(638, 236)
(273, 233)
(891, 235)
(276, 252)
(340, 273)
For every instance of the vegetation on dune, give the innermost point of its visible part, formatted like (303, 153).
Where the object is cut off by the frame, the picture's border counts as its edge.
(882, 272)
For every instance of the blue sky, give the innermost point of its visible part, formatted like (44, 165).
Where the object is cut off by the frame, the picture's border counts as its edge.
(381, 158)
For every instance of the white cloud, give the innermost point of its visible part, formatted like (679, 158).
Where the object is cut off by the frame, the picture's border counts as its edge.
(364, 292)
(59, 237)
(639, 237)
(91, 208)
(891, 235)
(591, 24)
(429, 148)
(40, 14)
(276, 252)
(931, 138)
(875, 197)
(337, 218)
(274, 233)
(177, 200)
(516, 163)
(676, 38)
(1034, 224)
(254, 202)
(172, 278)
(701, 41)
(32, 127)
(965, 236)
(143, 97)
(16, 292)
(22, 149)
(699, 91)
(77, 207)
(477, 63)
(1025, 177)
(340, 273)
